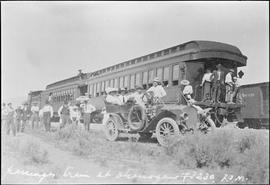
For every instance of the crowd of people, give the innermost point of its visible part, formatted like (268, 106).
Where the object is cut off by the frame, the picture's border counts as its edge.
(71, 113)
(214, 82)
(16, 119)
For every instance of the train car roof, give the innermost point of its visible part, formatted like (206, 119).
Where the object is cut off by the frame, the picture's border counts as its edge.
(34, 93)
(195, 50)
(255, 84)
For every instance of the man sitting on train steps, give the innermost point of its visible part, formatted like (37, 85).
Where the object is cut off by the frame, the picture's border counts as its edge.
(112, 96)
(187, 91)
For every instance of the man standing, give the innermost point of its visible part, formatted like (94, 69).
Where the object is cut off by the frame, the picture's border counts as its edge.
(10, 119)
(74, 113)
(206, 84)
(47, 114)
(87, 110)
(138, 96)
(18, 117)
(122, 96)
(64, 114)
(35, 115)
(229, 86)
(237, 84)
(4, 114)
(26, 113)
(158, 90)
(218, 81)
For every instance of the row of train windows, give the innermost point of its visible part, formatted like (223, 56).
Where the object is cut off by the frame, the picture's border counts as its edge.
(61, 98)
(144, 79)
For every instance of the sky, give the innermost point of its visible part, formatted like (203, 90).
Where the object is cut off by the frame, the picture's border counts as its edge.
(44, 42)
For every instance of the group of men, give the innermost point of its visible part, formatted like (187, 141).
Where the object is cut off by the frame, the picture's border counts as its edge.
(15, 119)
(213, 83)
(121, 96)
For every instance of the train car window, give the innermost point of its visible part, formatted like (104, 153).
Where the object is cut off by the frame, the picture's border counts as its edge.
(150, 76)
(132, 81)
(133, 61)
(145, 76)
(265, 92)
(98, 88)
(94, 89)
(121, 82)
(159, 54)
(166, 52)
(173, 50)
(159, 73)
(107, 84)
(102, 87)
(122, 65)
(166, 75)
(175, 74)
(139, 59)
(116, 83)
(145, 58)
(152, 56)
(112, 83)
(126, 81)
(138, 79)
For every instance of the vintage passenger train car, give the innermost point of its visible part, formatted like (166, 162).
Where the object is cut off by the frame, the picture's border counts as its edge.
(185, 61)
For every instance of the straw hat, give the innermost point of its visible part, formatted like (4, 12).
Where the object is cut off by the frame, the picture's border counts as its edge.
(156, 79)
(184, 82)
(231, 70)
(138, 87)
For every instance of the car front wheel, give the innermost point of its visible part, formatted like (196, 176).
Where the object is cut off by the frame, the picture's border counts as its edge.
(111, 130)
(166, 130)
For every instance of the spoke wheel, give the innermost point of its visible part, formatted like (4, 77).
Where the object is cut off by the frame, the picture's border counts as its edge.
(166, 129)
(111, 130)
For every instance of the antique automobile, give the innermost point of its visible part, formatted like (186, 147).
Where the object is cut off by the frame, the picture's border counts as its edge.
(165, 120)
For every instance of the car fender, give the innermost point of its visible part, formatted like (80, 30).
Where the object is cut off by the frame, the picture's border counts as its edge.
(118, 120)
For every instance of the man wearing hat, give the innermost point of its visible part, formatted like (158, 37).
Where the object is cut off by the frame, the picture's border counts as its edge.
(188, 90)
(10, 119)
(122, 96)
(47, 114)
(158, 90)
(237, 84)
(87, 110)
(35, 114)
(64, 114)
(26, 113)
(112, 96)
(229, 86)
(218, 80)
(138, 96)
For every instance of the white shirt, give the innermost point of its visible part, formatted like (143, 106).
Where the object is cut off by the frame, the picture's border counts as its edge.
(159, 91)
(74, 112)
(238, 82)
(47, 108)
(206, 77)
(35, 109)
(4, 111)
(122, 98)
(138, 98)
(188, 90)
(228, 79)
(88, 108)
(113, 100)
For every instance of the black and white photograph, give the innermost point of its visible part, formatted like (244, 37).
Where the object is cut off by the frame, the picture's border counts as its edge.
(134, 92)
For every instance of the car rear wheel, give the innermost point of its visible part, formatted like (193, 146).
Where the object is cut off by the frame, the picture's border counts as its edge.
(166, 130)
(111, 130)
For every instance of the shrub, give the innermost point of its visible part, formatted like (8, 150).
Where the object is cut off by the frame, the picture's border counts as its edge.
(34, 153)
(243, 151)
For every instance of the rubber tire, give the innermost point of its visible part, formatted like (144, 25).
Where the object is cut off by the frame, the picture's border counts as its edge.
(160, 139)
(140, 124)
(109, 136)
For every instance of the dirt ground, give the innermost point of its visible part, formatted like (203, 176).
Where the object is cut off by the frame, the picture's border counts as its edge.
(65, 167)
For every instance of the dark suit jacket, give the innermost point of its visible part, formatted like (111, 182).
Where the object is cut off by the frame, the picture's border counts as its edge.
(215, 77)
